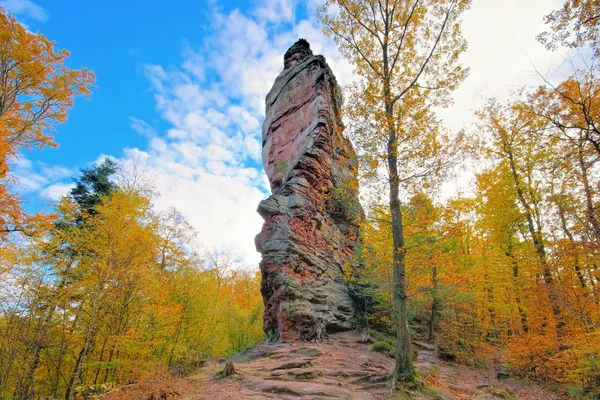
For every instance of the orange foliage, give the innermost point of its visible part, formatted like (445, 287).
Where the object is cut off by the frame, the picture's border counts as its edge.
(37, 90)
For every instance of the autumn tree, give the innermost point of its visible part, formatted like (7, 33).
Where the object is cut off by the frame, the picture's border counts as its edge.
(516, 141)
(573, 25)
(500, 223)
(547, 231)
(57, 251)
(37, 90)
(406, 54)
(118, 292)
(572, 105)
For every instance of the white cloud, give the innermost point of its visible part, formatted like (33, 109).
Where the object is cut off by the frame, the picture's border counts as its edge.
(22, 163)
(25, 8)
(40, 178)
(207, 164)
(57, 190)
(276, 11)
(55, 172)
(142, 127)
(243, 118)
(218, 199)
(31, 182)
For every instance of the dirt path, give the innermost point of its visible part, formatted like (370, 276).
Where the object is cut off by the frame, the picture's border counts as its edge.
(339, 368)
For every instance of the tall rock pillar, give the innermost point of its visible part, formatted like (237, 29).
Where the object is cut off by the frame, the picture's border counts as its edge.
(311, 219)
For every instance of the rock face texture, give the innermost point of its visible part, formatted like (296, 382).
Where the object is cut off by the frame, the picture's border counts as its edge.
(311, 219)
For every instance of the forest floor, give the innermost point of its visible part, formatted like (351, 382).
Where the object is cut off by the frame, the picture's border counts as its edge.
(338, 368)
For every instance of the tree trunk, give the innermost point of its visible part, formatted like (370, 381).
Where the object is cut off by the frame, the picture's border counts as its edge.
(177, 332)
(435, 305)
(516, 285)
(228, 370)
(100, 359)
(404, 370)
(58, 376)
(493, 331)
(26, 389)
(536, 237)
(87, 344)
(567, 232)
(589, 201)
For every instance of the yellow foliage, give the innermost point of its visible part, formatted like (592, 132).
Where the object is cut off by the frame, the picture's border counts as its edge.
(118, 295)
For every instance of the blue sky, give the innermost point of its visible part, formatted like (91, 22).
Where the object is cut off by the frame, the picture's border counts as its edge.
(181, 87)
(116, 39)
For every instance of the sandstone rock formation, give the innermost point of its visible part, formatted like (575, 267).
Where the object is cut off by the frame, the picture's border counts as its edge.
(311, 219)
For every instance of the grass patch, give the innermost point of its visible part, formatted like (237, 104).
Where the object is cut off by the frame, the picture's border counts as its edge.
(579, 392)
(382, 337)
(418, 389)
(384, 348)
(481, 363)
(383, 343)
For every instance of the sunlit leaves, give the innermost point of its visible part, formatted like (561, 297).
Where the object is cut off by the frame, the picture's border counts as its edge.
(37, 90)
(120, 293)
(575, 24)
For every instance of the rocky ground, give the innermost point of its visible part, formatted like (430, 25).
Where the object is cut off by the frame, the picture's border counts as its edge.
(338, 368)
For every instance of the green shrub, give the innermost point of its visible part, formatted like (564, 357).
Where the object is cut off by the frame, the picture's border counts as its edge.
(382, 337)
(481, 363)
(580, 392)
(382, 347)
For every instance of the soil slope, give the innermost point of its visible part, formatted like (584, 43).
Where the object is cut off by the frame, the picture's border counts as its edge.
(338, 368)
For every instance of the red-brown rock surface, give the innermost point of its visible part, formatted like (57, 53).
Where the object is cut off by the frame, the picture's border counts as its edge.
(310, 230)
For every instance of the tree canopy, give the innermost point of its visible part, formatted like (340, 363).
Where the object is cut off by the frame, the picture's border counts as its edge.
(37, 89)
